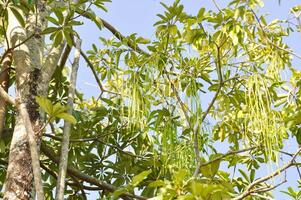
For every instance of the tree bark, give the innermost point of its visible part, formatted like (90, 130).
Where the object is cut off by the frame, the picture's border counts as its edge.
(4, 83)
(28, 59)
(60, 188)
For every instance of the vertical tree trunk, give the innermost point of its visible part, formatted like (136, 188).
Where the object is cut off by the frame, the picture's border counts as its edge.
(33, 75)
(28, 62)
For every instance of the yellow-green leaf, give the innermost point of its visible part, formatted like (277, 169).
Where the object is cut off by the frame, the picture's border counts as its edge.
(67, 117)
(138, 178)
(45, 104)
(58, 108)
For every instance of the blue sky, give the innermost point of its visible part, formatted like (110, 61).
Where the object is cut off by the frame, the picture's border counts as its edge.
(138, 16)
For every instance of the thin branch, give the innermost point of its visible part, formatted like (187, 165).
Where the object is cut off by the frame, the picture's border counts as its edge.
(291, 155)
(113, 30)
(269, 188)
(54, 175)
(51, 63)
(77, 173)
(14, 47)
(6, 96)
(64, 57)
(217, 5)
(102, 89)
(270, 42)
(81, 14)
(277, 172)
(95, 139)
(23, 42)
(221, 83)
(67, 126)
(224, 156)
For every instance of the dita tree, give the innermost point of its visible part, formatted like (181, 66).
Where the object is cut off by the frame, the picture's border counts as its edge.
(161, 108)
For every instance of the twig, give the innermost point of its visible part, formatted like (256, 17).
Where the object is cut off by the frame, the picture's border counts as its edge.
(64, 57)
(270, 42)
(224, 156)
(102, 89)
(77, 173)
(221, 83)
(269, 188)
(291, 155)
(277, 172)
(54, 175)
(97, 140)
(114, 31)
(67, 126)
(217, 5)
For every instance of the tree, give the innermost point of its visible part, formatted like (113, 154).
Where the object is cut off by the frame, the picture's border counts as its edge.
(151, 132)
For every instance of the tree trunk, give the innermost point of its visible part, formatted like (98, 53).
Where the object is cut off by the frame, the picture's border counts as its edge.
(28, 62)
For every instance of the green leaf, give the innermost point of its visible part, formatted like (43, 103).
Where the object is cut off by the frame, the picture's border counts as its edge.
(49, 30)
(173, 29)
(45, 104)
(158, 183)
(18, 16)
(58, 39)
(244, 175)
(138, 178)
(298, 136)
(179, 176)
(142, 40)
(68, 37)
(58, 108)
(52, 20)
(118, 192)
(2, 146)
(67, 117)
(59, 16)
(196, 188)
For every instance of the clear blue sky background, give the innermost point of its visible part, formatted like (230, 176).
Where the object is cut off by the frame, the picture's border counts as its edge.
(138, 16)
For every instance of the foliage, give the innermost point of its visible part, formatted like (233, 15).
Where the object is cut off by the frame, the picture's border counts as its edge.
(204, 80)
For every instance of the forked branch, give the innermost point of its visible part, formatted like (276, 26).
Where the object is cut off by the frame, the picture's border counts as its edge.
(249, 189)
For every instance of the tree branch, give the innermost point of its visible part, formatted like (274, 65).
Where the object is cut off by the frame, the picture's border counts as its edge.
(4, 83)
(102, 89)
(224, 156)
(277, 172)
(95, 139)
(64, 57)
(49, 66)
(101, 22)
(221, 83)
(77, 184)
(77, 173)
(6, 97)
(270, 42)
(67, 126)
